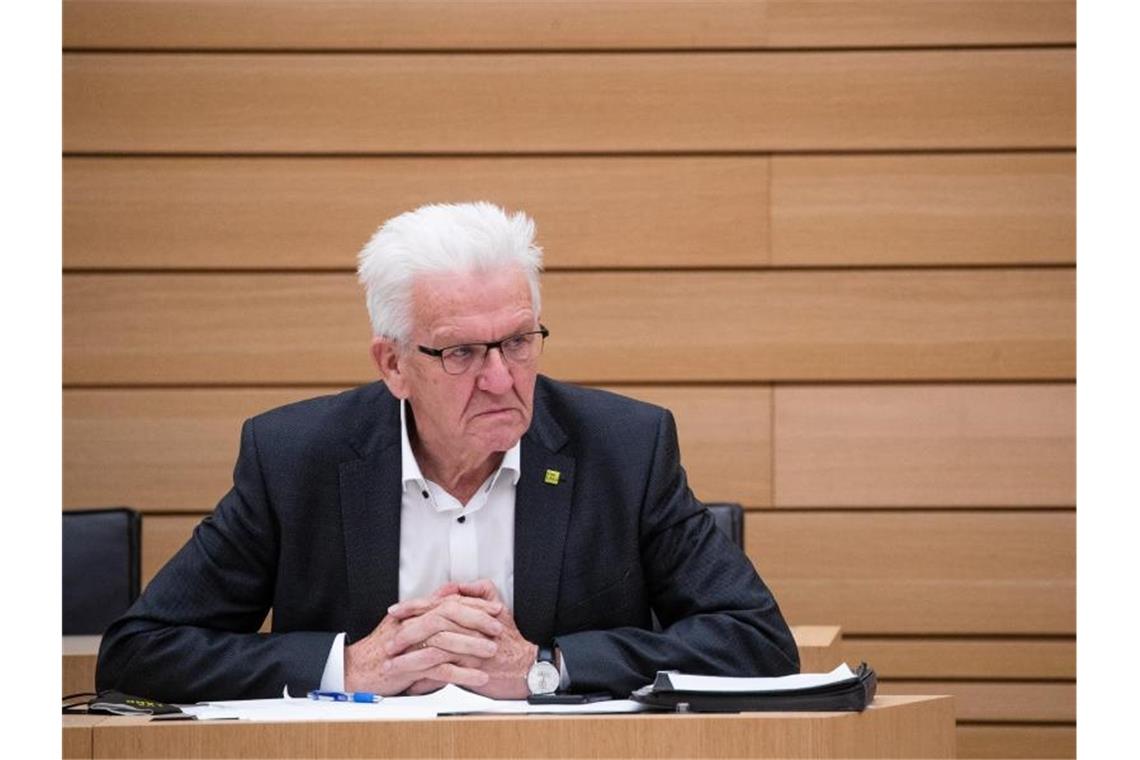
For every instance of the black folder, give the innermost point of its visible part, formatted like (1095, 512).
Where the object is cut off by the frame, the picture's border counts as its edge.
(850, 694)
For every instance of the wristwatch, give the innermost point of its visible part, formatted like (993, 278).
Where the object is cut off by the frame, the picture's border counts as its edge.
(543, 677)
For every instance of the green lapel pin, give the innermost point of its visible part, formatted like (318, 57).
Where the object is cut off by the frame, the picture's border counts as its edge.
(552, 477)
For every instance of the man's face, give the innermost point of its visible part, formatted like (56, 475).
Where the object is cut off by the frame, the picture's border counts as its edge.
(488, 408)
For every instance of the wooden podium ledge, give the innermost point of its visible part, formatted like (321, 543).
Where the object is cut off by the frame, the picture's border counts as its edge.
(893, 727)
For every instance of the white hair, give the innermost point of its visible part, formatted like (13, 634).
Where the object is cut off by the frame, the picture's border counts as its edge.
(443, 238)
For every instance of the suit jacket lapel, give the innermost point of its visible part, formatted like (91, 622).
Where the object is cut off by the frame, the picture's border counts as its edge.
(542, 515)
(370, 514)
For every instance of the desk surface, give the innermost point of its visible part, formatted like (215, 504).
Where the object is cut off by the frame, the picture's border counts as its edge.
(894, 726)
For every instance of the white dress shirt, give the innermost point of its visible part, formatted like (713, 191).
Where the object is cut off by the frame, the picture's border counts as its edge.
(443, 540)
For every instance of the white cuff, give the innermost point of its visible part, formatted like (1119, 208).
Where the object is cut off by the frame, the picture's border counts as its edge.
(333, 677)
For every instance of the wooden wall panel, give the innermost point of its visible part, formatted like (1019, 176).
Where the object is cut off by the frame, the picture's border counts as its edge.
(973, 658)
(525, 24)
(997, 701)
(982, 572)
(568, 102)
(281, 213)
(923, 210)
(1016, 741)
(887, 23)
(962, 445)
(174, 449)
(275, 213)
(162, 537)
(606, 327)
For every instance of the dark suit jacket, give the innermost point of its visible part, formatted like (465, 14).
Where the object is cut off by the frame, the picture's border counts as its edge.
(311, 529)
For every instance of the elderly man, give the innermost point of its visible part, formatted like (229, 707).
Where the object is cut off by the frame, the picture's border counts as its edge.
(466, 521)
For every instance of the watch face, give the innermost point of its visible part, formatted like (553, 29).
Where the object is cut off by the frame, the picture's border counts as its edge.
(543, 678)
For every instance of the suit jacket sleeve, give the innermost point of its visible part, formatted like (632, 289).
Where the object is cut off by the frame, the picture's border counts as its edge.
(717, 615)
(193, 632)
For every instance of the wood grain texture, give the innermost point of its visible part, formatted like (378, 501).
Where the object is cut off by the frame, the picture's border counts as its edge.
(972, 658)
(524, 24)
(1012, 741)
(284, 213)
(415, 103)
(923, 210)
(893, 727)
(909, 446)
(820, 647)
(162, 537)
(998, 701)
(78, 665)
(175, 449)
(78, 735)
(920, 573)
(907, 22)
(709, 212)
(606, 327)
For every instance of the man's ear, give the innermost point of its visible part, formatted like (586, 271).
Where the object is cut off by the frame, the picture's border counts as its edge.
(386, 355)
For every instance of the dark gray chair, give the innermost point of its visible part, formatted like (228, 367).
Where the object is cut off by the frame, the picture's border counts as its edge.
(729, 518)
(100, 567)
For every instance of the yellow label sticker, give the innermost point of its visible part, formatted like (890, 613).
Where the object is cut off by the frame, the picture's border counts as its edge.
(552, 477)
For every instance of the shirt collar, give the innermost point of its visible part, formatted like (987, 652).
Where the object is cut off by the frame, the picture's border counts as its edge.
(410, 468)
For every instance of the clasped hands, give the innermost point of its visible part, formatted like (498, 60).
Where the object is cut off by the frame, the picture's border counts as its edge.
(462, 634)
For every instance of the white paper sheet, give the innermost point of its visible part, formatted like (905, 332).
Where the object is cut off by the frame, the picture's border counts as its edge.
(449, 699)
(728, 684)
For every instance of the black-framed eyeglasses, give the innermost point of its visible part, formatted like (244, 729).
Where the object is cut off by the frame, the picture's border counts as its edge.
(521, 349)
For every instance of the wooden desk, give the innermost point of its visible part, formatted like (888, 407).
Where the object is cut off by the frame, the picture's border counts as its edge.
(820, 651)
(910, 726)
(79, 656)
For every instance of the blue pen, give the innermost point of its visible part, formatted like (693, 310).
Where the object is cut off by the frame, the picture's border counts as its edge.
(340, 696)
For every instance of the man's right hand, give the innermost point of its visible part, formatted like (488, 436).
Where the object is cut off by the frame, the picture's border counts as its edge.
(439, 639)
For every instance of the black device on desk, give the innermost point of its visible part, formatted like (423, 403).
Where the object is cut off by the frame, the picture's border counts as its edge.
(568, 699)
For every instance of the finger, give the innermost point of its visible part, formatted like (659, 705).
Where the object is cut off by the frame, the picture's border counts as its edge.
(474, 617)
(418, 630)
(458, 643)
(460, 676)
(448, 589)
(483, 588)
(412, 607)
(424, 686)
(415, 661)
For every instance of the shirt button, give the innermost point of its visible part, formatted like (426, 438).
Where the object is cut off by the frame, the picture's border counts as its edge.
(462, 519)
(425, 494)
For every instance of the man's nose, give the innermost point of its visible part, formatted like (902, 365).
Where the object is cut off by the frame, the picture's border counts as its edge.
(495, 375)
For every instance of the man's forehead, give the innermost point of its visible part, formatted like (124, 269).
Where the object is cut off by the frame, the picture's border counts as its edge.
(454, 304)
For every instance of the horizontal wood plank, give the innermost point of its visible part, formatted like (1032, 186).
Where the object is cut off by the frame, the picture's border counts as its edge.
(909, 446)
(308, 213)
(820, 23)
(920, 573)
(282, 213)
(976, 701)
(965, 658)
(162, 537)
(607, 327)
(525, 24)
(116, 441)
(923, 210)
(415, 103)
(1023, 741)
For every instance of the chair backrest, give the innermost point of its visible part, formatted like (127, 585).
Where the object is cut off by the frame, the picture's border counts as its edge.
(100, 567)
(729, 517)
